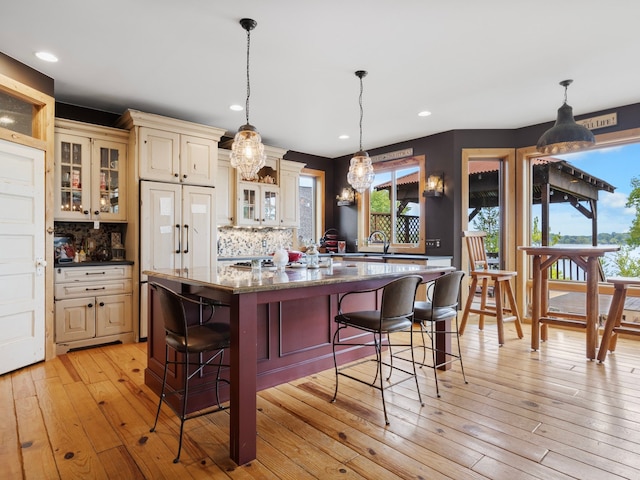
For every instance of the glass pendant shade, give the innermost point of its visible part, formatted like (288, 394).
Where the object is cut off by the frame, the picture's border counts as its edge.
(361, 174)
(247, 152)
(566, 135)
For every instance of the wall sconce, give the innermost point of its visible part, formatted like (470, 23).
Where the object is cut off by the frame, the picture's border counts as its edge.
(435, 185)
(347, 197)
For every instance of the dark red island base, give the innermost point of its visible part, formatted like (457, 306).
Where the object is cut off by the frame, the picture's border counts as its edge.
(281, 329)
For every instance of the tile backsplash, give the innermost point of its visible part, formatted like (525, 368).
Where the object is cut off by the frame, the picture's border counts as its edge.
(239, 242)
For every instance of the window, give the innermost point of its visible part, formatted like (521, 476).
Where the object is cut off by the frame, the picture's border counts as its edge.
(311, 206)
(396, 205)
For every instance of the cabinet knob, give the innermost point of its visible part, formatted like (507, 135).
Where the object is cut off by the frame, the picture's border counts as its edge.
(97, 212)
(86, 212)
(184, 176)
(90, 305)
(101, 304)
(176, 175)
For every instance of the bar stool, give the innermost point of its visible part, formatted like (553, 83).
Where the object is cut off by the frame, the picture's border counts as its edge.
(614, 324)
(205, 342)
(501, 281)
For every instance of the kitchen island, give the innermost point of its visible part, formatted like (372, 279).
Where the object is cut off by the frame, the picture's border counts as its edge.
(281, 328)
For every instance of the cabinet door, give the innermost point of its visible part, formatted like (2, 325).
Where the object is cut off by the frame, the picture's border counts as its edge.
(248, 206)
(225, 193)
(198, 160)
(159, 155)
(72, 174)
(198, 227)
(270, 205)
(289, 198)
(75, 319)
(113, 315)
(160, 225)
(108, 186)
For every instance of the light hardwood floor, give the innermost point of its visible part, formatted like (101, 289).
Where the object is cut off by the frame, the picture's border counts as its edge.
(550, 414)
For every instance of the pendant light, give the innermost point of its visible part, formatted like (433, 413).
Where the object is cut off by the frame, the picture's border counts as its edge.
(361, 174)
(566, 135)
(247, 150)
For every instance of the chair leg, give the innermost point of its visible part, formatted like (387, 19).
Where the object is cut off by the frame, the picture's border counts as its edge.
(460, 352)
(483, 301)
(514, 308)
(413, 364)
(467, 307)
(378, 341)
(433, 356)
(164, 383)
(183, 413)
(335, 362)
(497, 295)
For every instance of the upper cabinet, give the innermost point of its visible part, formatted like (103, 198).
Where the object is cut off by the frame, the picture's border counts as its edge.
(225, 189)
(177, 158)
(290, 193)
(90, 166)
(173, 151)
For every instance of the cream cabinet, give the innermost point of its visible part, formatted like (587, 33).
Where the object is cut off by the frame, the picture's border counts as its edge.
(258, 204)
(225, 190)
(169, 156)
(290, 193)
(92, 306)
(90, 165)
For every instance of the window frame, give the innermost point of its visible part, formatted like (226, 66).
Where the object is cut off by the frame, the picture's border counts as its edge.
(319, 199)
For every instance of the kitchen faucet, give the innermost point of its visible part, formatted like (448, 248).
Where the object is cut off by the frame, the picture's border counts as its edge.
(385, 240)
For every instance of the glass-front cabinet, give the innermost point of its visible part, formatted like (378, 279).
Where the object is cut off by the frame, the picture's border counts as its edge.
(258, 204)
(89, 172)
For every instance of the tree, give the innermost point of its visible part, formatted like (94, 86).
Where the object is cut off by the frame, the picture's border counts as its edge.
(536, 234)
(488, 221)
(634, 202)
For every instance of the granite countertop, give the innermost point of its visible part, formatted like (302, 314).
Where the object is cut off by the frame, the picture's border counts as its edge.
(240, 280)
(92, 263)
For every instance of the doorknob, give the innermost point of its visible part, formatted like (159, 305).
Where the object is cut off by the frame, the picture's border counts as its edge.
(40, 264)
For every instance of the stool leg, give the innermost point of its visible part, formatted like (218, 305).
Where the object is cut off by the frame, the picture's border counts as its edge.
(514, 308)
(483, 301)
(467, 307)
(497, 295)
(613, 318)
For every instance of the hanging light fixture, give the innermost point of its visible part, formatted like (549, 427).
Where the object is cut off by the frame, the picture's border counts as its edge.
(247, 150)
(361, 174)
(566, 135)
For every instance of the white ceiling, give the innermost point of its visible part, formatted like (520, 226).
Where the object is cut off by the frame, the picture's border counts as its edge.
(473, 64)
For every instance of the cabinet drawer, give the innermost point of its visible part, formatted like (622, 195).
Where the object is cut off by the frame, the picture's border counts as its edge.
(92, 274)
(86, 289)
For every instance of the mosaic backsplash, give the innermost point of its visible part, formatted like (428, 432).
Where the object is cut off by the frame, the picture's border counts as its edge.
(240, 242)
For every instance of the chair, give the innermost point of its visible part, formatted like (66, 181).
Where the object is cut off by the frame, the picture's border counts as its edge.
(501, 282)
(395, 315)
(615, 322)
(206, 341)
(433, 316)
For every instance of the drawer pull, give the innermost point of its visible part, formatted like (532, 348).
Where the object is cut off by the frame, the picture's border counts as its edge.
(95, 273)
(93, 289)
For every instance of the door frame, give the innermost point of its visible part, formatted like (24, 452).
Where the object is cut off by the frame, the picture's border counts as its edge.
(508, 206)
(42, 138)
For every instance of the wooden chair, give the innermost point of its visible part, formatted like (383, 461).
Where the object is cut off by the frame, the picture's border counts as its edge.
(501, 282)
(615, 324)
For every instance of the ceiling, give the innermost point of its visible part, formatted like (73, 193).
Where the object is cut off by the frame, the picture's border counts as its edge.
(473, 64)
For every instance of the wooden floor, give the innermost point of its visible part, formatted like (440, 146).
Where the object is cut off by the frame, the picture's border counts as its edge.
(550, 414)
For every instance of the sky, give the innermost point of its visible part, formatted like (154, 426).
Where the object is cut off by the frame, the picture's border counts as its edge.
(616, 166)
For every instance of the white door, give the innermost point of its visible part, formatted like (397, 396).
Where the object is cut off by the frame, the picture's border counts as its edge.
(199, 242)
(160, 235)
(22, 249)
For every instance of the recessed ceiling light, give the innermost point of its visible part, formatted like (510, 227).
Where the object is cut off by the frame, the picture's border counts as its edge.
(47, 57)
(4, 120)
(236, 108)
(343, 137)
(424, 113)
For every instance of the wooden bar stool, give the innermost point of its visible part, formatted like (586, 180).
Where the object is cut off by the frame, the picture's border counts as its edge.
(614, 323)
(501, 281)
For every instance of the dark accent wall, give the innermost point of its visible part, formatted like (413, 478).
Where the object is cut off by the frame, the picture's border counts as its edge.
(26, 75)
(87, 115)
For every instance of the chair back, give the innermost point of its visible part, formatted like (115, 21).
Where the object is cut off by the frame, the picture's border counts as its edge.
(446, 290)
(173, 313)
(476, 249)
(398, 297)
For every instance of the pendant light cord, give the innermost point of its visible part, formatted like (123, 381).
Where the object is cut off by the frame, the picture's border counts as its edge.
(248, 83)
(361, 110)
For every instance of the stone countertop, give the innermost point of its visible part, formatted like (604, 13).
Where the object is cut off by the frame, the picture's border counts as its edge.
(244, 280)
(92, 264)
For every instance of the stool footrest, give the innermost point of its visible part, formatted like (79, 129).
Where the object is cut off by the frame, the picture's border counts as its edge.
(627, 330)
(564, 322)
